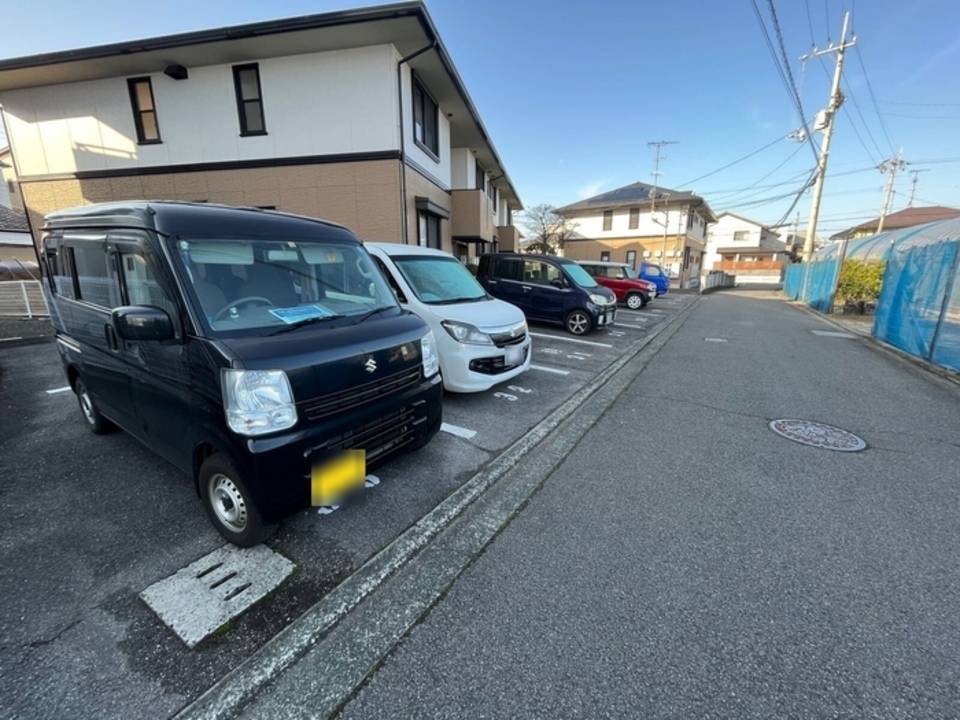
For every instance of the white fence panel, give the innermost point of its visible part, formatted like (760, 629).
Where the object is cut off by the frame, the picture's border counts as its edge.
(22, 298)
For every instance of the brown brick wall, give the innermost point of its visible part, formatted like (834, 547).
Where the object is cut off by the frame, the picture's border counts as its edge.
(364, 195)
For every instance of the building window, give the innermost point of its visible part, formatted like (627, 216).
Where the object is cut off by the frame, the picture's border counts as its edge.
(481, 179)
(741, 236)
(634, 218)
(246, 82)
(608, 219)
(144, 110)
(492, 195)
(632, 259)
(428, 229)
(425, 120)
(605, 255)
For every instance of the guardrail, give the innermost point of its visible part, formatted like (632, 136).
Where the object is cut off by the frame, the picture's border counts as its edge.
(22, 298)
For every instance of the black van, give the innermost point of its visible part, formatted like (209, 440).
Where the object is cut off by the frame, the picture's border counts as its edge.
(550, 289)
(254, 350)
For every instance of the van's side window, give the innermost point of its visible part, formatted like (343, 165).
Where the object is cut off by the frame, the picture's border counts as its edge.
(540, 273)
(142, 285)
(60, 267)
(96, 278)
(391, 280)
(507, 269)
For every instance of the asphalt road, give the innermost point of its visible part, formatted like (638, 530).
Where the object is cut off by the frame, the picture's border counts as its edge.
(701, 566)
(89, 522)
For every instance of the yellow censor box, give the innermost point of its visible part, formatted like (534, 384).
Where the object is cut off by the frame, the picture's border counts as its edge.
(332, 480)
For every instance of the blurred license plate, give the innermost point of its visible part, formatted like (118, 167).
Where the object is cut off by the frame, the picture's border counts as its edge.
(513, 356)
(331, 480)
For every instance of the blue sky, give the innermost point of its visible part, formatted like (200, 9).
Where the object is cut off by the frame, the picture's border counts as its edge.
(573, 91)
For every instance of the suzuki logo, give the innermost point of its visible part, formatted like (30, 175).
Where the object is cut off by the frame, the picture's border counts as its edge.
(370, 365)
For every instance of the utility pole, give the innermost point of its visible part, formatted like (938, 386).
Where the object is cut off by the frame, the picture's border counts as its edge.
(913, 184)
(836, 100)
(889, 167)
(659, 144)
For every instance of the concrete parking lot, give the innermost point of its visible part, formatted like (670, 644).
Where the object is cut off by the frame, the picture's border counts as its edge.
(90, 522)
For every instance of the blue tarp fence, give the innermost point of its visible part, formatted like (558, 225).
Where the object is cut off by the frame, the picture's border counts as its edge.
(919, 306)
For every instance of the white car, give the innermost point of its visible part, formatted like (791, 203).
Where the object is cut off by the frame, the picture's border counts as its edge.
(482, 341)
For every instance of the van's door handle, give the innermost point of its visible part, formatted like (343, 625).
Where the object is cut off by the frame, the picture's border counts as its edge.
(526, 288)
(111, 336)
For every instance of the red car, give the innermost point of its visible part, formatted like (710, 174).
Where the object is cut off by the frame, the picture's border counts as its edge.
(630, 291)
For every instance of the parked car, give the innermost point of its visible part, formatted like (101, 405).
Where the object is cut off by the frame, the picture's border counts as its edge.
(620, 278)
(481, 341)
(655, 274)
(549, 289)
(253, 350)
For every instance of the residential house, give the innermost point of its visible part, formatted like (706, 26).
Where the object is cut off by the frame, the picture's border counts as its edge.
(9, 190)
(15, 243)
(357, 116)
(908, 217)
(750, 250)
(630, 225)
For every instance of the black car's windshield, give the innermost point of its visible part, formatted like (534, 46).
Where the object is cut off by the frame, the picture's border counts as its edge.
(244, 284)
(439, 280)
(580, 276)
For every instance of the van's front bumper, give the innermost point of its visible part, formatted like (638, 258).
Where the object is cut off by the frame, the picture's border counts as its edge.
(277, 468)
(475, 368)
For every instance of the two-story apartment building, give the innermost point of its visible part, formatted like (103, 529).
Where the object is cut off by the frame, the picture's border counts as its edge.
(357, 116)
(630, 225)
(750, 250)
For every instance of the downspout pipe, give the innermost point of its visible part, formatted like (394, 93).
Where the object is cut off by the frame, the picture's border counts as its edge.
(403, 144)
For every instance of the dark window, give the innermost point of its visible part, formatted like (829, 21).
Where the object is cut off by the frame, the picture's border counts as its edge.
(142, 285)
(60, 268)
(508, 269)
(391, 280)
(509, 215)
(634, 218)
(632, 259)
(428, 229)
(481, 178)
(96, 275)
(540, 273)
(425, 119)
(144, 110)
(608, 219)
(246, 82)
(605, 255)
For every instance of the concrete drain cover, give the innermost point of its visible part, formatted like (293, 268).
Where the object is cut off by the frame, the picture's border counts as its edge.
(197, 600)
(820, 435)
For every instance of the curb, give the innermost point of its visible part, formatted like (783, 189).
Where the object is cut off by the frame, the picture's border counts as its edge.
(238, 687)
(24, 341)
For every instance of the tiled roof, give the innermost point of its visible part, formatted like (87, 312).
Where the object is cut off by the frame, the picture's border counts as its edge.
(12, 221)
(636, 194)
(908, 217)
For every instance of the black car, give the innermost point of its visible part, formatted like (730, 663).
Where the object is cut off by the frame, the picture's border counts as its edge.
(549, 289)
(262, 353)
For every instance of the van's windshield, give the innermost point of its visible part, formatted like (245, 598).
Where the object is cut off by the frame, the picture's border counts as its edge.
(580, 276)
(439, 280)
(257, 284)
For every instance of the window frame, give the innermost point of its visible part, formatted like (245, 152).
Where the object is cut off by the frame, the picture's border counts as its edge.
(112, 266)
(632, 262)
(607, 220)
(415, 85)
(138, 112)
(480, 178)
(604, 256)
(428, 218)
(634, 222)
(241, 101)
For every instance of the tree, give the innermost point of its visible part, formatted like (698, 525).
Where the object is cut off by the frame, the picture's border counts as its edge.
(547, 229)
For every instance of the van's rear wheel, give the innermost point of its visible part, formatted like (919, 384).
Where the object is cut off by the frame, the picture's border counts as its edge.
(229, 504)
(635, 301)
(579, 322)
(97, 423)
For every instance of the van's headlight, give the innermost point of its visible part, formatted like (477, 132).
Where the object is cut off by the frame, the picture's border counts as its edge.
(466, 333)
(257, 402)
(428, 355)
(599, 300)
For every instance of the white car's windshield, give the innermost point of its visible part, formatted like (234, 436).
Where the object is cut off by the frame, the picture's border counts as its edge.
(248, 284)
(439, 280)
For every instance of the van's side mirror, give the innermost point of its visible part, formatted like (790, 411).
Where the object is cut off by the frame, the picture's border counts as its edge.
(558, 283)
(143, 322)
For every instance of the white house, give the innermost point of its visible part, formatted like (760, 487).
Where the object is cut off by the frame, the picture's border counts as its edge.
(746, 248)
(630, 225)
(357, 116)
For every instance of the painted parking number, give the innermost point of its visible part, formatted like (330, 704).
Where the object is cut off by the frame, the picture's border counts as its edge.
(506, 396)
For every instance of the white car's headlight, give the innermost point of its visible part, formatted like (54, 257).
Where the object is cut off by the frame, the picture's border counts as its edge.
(428, 355)
(466, 333)
(257, 402)
(598, 300)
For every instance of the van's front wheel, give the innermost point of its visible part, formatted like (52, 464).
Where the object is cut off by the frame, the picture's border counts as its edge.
(97, 423)
(229, 504)
(579, 322)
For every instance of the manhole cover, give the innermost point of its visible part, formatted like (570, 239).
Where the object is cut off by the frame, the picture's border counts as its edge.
(820, 435)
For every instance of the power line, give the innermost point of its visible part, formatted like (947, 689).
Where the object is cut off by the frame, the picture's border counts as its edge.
(737, 161)
(923, 117)
(756, 183)
(920, 104)
(873, 97)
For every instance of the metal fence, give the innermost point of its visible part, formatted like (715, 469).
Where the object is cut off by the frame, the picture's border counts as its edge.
(716, 279)
(22, 298)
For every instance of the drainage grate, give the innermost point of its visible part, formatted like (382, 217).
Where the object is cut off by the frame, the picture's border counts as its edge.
(819, 435)
(197, 600)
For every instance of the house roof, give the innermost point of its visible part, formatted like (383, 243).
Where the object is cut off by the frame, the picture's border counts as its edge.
(908, 217)
(406, 25)
(634, 195)
(748, 220)
(13, 221)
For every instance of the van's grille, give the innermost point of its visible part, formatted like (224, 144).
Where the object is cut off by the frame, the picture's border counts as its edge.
(380, 437)
(360, 395)
(506, 338)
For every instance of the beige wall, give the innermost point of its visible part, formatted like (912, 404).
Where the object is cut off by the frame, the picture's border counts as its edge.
(591, 249)
(418, 185)
(17, 252)
(364, 196)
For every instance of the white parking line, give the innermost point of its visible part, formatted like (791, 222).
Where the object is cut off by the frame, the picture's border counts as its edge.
(58, 390)
(460, 432)
(635, 327)
(11, 339)
(634, 314)
(544, 368)
(570, 339)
